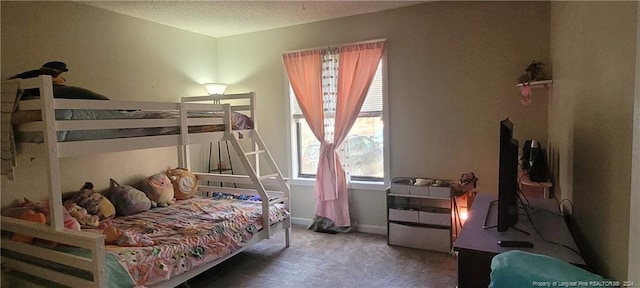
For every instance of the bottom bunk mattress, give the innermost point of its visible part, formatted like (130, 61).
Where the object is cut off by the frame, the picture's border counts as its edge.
(165, 242)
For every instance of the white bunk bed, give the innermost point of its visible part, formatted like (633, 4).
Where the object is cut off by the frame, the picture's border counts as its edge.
(52, 150)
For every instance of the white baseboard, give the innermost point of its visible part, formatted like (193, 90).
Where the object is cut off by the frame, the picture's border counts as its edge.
(373, 229)
(301, 221)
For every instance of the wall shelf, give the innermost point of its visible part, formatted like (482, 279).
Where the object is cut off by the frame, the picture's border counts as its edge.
(537, 84)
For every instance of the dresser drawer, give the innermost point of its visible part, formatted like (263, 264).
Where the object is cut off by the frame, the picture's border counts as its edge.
(434, 239)
(404, 215)
(435, 217)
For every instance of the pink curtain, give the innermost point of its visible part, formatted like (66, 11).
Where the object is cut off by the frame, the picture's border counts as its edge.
(357, 65)
(305, 75)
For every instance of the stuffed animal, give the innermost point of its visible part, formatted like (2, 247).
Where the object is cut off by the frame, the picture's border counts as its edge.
(466, 183)
(81, 214)
(32, 216)
(111, 234)
(127, 199)
(185, 183)
(94, 202)
(532, 73)
(159, 189)
(16, 209)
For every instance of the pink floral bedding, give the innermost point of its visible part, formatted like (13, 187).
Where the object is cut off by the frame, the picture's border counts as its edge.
(188, 234)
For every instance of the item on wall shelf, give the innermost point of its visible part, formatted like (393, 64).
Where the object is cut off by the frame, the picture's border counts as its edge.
(526, 89)
(533, 72)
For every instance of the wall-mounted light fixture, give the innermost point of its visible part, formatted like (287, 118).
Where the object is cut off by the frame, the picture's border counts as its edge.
(215, 88)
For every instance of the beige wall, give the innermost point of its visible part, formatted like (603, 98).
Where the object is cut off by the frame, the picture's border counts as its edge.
(634, 209)
(121, 57)
(593, 47)
(452, 72)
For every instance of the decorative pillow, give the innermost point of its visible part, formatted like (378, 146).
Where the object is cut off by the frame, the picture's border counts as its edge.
(159, 189)
(127, 199)
(94, 202)
(185, 183)
(241, 121)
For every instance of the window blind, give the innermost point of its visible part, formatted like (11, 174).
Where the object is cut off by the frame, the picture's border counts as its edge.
(372, 104)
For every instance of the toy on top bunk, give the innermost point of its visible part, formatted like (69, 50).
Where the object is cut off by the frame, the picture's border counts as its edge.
(60, 89)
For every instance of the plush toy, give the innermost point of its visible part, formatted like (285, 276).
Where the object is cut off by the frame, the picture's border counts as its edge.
(16, 209)
(532, 73)
(466, 183)
(185, 183)
(94, 202)
(127, 199)
(159, 189)
(29, 215)
(111, 234)
(81, 214)
(69, 221)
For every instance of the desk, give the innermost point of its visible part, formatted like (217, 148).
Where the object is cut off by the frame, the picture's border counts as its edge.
(476, 246)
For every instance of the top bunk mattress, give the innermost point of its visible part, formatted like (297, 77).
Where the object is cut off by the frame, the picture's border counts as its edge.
(239, 121)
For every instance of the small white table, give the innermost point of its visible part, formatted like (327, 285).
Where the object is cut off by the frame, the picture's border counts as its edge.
(534, 189)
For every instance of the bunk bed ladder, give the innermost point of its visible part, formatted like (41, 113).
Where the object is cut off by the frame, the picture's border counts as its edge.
(253, 171)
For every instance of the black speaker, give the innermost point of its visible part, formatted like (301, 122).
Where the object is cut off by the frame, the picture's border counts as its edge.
(534, 161)
(526, 154)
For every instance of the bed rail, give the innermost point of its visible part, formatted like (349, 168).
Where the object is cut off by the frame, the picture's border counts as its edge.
(93, 242)
(42, 115)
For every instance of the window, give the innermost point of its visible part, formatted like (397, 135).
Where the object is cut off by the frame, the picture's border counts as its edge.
(361, 153)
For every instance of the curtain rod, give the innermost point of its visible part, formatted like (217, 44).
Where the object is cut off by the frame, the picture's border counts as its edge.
(337, 46)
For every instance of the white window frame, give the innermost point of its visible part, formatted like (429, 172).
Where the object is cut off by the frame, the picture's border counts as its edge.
(352, 184)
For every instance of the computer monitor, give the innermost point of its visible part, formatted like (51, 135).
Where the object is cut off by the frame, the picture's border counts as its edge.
(507, 177)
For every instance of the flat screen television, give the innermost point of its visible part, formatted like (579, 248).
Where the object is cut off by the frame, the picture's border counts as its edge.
(507, 177)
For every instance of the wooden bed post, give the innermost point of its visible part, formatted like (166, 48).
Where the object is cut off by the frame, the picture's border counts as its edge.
(256, 159)
(183, 149)
(51, 141)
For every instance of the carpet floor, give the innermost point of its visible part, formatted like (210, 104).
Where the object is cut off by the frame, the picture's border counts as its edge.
(331, 261)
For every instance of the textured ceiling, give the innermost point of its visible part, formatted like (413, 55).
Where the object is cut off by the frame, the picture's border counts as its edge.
(226, 18)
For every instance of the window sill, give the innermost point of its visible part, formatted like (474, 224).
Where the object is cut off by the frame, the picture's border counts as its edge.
(358, 185)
